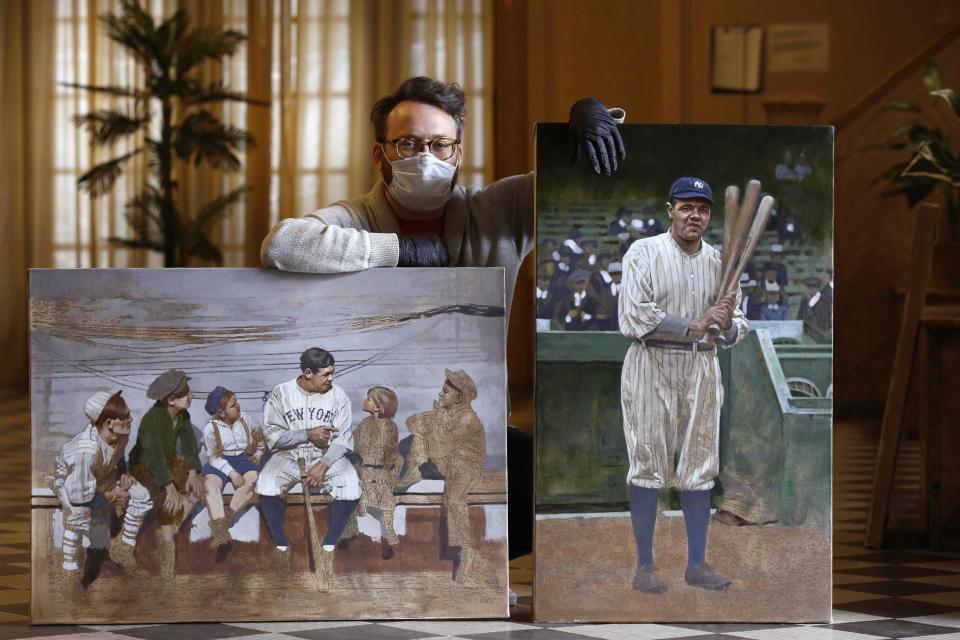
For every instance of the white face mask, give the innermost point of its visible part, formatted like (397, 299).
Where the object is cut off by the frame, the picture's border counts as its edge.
(421, 183)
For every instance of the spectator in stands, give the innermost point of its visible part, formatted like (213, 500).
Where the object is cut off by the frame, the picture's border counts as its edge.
(560, 284)
(651, 225)
(785, 170)
(769, 279)
(827, 290)
(548, 249)
(802, 169)
(790, 229)
(579, 309)
(607, 300)
(601, 276)
(621, 223)
(749, 304)
(772, 309)
(588, 259)
(814, 307)
(546, 300)
(634, 234)
(776, 263)
(574, 237)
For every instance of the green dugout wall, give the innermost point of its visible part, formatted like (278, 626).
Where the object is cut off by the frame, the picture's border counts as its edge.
(775, 441)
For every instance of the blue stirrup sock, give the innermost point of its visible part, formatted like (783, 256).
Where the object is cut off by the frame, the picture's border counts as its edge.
(340, 512)
(643, 516)
(274, 509)
(696, 517)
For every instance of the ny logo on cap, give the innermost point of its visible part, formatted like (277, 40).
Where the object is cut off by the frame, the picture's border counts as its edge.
(698, 184)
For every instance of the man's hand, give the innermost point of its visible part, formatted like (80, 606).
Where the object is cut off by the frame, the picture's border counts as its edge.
(593, 130)
(236, 479)
(194, 483)
(725, 306)
(320, 436)
(317, 474)
(422, 250)
(174, 500)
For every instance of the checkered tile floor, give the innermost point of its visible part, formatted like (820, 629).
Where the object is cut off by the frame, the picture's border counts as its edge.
(877, 594)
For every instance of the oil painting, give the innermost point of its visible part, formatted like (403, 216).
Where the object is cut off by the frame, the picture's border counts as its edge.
(684, 377)
(244, 444)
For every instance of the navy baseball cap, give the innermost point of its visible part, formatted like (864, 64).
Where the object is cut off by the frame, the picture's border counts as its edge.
(691, 188)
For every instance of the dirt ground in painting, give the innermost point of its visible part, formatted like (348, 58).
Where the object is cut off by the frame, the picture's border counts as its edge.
(583, 568)
(417, 581)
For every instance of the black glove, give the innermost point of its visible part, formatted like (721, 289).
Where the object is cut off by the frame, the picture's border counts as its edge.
(592, 129)
(422, 250)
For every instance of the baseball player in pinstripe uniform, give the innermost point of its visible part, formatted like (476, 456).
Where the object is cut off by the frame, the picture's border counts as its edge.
(670, 386)
(91, 481)
(309, 419)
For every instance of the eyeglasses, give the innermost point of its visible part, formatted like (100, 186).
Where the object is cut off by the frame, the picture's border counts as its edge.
(408, 147)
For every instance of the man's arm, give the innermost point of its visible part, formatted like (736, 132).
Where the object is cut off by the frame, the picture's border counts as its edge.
(277, 432)
(331, 240)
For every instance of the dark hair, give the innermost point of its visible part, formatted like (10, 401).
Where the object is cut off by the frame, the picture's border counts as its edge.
(446, 96)
(115, 409)
(315, 359)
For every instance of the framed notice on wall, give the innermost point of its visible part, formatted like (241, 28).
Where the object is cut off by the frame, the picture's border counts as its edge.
(736, 57)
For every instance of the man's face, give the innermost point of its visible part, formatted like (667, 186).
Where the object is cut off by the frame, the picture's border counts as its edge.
(616, 276)
(580, 286)
(418, 120)
(776, 258)
(773, 297)
(318, 381)
(543, 281)
(690, 218)
(448, 396)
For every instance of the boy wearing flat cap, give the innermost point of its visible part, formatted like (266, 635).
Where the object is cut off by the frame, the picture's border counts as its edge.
(451, 435)
(173, 481)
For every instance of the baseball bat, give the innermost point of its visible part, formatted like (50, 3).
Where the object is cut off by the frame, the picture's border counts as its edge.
(747, 207)
(750, 244)
(320, 579)
(730, 211)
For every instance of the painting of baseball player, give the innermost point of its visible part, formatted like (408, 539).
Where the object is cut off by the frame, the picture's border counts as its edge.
(91, 481)
(173, 480)
(234, 446)
(376, 442)
(308, 419)
(671, 391)
(451, 436)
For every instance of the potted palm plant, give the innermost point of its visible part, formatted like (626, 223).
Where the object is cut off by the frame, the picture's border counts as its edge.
(169, 54)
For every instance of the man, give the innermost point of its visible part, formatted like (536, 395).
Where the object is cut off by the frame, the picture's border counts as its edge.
(579, 309)
(651, 225)
(418, 149)
(815, 308)
(773, 308)
(776, 263)
(620, 223)
(608, 297)
(452, 437)
(309, 419)
(670, 387)
(546, 300)
(748, 303)
(92, 483)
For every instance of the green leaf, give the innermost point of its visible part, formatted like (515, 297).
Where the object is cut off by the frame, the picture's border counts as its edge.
(950, 97)
(125, 92)
(201, 247)
(932, 75)
(108, 126)
(900, 105)
(136, 244)
(99, 180)
(206, 43)
(143, 214)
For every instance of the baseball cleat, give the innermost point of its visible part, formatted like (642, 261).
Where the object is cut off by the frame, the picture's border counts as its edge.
(646, 580)
(704, 576)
